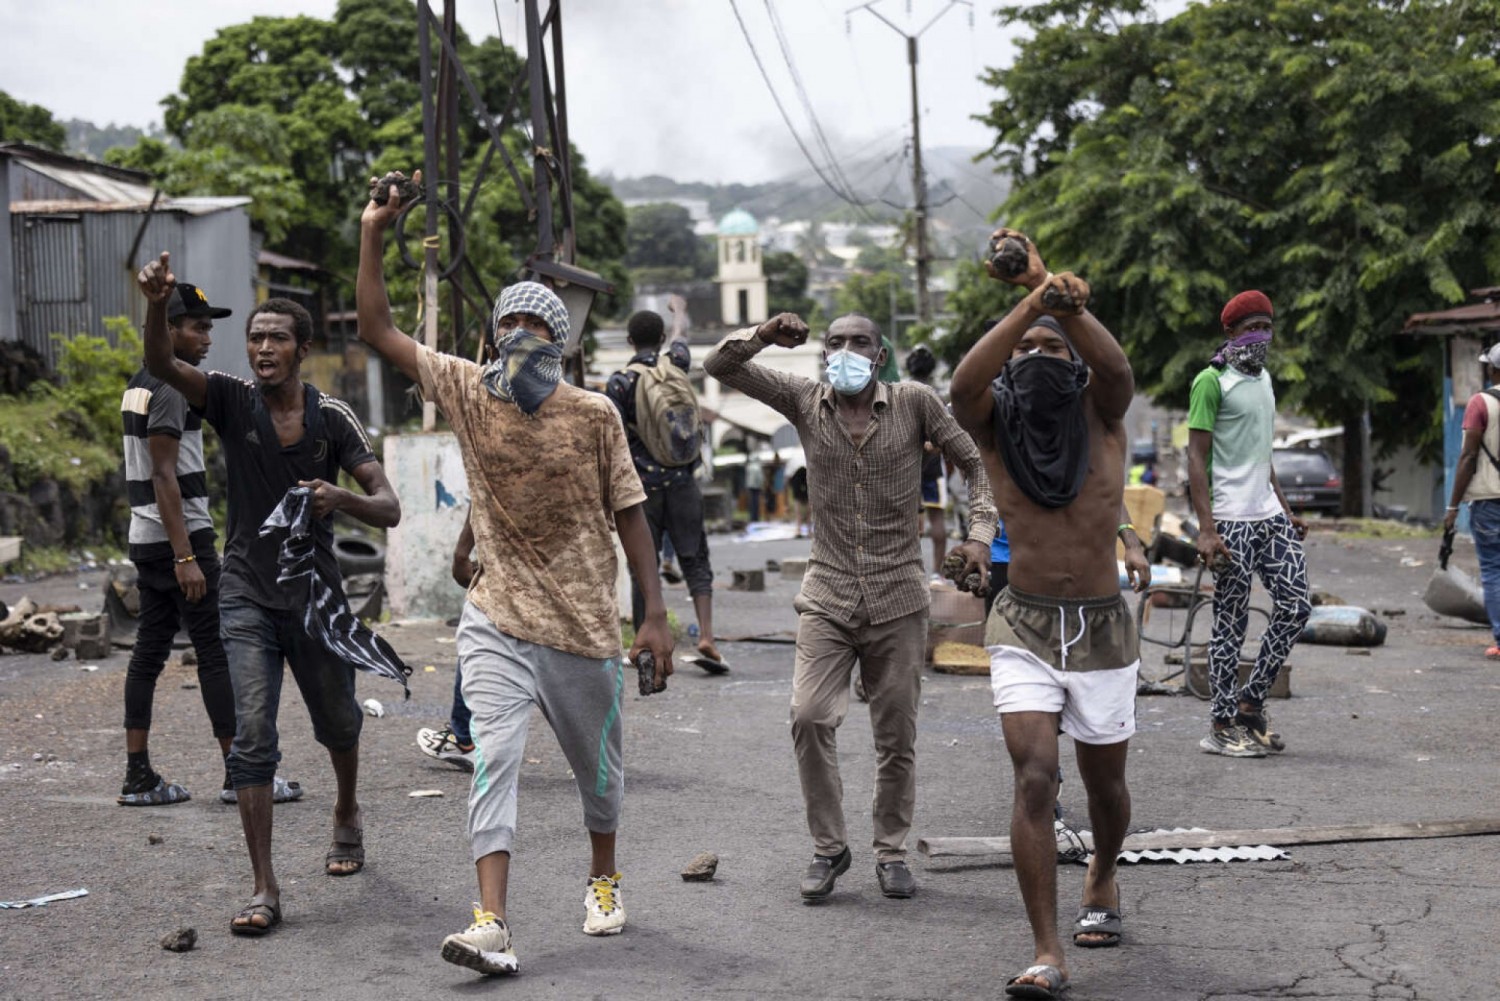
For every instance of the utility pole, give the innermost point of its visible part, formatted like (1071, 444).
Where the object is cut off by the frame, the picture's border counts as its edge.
(918, 178)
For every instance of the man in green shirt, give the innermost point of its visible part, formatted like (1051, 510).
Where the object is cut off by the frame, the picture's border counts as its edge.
(1245, 526)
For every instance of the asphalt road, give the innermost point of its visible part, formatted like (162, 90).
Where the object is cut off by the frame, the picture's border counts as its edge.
(1404, 734)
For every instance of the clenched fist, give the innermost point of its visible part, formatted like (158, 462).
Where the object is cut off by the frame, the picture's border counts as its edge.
(785, 330)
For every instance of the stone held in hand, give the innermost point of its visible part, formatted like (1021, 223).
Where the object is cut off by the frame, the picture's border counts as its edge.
(407, 190)
(1009, 257)
(702, 868)
(953, 569)
(1065, 293)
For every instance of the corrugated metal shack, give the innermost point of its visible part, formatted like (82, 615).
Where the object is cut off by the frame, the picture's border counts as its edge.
(78, 231)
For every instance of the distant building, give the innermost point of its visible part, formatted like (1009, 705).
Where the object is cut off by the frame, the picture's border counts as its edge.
(74, 233)
(741, 278)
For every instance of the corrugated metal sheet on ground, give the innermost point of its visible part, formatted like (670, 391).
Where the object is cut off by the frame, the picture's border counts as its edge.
(1228, 853)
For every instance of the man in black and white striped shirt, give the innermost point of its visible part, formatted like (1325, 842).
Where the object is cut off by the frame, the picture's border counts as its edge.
(172, 546)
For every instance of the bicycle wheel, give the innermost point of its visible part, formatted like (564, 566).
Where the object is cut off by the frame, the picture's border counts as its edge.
(1200, 630)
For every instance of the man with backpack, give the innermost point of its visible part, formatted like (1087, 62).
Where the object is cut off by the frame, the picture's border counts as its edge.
(662, 424)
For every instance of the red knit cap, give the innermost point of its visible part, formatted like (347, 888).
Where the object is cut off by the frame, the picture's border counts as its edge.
(1245, 304)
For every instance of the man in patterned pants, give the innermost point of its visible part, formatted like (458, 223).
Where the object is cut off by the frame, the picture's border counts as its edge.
(1245, 526)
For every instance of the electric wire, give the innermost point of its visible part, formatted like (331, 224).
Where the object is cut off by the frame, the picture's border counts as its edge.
(786, 54)
(796, 137)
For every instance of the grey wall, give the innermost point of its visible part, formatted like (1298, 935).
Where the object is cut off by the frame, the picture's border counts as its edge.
(219, 258)
(7, 265)
(70, 272)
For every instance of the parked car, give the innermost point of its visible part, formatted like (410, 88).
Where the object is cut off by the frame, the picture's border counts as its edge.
(1309, 479)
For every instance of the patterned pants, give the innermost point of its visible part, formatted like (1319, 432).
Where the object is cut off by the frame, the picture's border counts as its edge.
(1270, 547)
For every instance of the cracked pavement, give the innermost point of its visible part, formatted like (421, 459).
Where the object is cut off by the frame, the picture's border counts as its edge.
(1399, 735)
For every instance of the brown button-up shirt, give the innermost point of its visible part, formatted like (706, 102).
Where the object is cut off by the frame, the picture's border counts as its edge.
(866, 497)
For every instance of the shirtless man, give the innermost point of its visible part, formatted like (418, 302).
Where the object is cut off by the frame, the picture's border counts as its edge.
(1044, 395)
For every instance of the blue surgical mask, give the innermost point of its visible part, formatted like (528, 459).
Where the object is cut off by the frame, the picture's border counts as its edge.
(849, 372)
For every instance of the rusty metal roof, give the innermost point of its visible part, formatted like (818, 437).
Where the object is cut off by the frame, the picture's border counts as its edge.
(189, 206)
(1474, 317)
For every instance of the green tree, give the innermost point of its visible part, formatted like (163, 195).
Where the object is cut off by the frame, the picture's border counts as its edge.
(873, 295)
(786, 284)
(1342, 159)
(660, 234)
(298, 112)
(32, 123)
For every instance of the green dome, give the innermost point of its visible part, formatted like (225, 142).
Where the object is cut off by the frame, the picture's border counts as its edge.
(738, 222)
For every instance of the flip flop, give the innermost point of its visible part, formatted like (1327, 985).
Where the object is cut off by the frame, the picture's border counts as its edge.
(164, 794)
(282, 791)
(271, 912)
(1099, 921)
(1056, 983)
(348, 846)
(708, 664)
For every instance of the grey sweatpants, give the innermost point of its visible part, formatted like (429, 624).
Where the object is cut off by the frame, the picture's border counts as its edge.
(503, 678)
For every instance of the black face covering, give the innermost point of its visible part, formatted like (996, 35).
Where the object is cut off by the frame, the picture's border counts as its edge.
(1040, 427)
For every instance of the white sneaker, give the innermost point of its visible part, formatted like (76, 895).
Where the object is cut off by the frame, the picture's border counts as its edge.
(442, 745)
(606, 910)
(483, 947)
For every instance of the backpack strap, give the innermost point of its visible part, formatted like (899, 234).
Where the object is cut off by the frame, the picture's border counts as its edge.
(1493, 423)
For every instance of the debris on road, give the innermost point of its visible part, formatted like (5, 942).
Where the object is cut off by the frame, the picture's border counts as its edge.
(29, 629)
(424, 793)
(702, 868)
(154, 839)
(373, 707)
(1343, 625)
(181, 940)
(42, 901)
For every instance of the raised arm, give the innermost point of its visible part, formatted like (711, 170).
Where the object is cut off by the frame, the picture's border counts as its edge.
(969, 390)
(731, 363)
(1111, 382)
(376, 328)
(677, 306)
(156, 282)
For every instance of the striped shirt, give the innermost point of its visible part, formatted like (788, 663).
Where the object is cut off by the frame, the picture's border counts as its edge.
(151, 407)
(865, 497)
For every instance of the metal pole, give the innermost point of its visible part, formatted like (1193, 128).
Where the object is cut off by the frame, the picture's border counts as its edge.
(536, 64)
(564, 151)
(448, 102)
(918, 180)
(919, 188)
(430, 170)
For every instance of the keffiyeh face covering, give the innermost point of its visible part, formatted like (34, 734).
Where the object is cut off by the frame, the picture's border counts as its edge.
(527, 367)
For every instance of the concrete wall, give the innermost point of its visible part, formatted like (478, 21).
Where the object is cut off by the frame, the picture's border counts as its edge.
(427, 472)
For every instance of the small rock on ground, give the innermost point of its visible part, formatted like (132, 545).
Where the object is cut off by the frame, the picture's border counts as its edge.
(702, 868)
(181, 940)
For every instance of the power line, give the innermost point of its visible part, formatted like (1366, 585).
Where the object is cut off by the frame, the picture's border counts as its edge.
(806, 153)
(822, 139)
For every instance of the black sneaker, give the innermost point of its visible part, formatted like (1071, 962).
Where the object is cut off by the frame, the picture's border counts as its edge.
(825, 870)
(1258, 725)
(1232, 741)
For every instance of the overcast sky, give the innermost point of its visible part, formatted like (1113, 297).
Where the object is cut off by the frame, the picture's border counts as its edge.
(654, 86)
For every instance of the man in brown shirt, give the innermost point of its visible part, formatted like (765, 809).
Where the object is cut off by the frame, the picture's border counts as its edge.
(550, 475)
(1044, 394)
(865, 596)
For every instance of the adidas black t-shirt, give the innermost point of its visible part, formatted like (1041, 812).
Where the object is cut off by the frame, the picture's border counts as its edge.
(261, 471)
